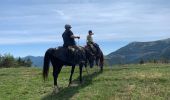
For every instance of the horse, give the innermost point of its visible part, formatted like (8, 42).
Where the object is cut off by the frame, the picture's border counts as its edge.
(100, 60)
(58, 63)
(98, 55)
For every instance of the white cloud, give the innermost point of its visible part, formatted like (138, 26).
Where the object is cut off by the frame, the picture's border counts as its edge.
(124, 20)
(62, 15)
(37, 39)
(13, 32)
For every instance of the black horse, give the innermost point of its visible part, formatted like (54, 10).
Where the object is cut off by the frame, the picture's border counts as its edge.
(98, 55)
(100, 60)
(54, 56)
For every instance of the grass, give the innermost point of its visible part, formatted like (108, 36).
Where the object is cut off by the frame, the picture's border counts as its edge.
(123, 82)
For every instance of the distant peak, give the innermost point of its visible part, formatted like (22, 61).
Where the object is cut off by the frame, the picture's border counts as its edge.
(134, 43)
(168, 39)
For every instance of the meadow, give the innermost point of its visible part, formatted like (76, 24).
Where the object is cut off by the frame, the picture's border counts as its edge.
(119, 82)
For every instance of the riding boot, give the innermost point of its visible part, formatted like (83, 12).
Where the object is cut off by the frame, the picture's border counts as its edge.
(97, 48)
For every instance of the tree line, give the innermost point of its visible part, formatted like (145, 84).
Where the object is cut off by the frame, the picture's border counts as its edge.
(8, 60)
(156, 61)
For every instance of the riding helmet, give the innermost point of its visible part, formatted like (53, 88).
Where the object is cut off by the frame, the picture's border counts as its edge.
(67, 26)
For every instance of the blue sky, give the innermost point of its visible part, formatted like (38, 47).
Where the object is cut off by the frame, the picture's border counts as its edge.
(30, 27)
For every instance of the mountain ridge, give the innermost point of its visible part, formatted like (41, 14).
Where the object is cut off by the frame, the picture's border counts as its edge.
(37, 61)
(130, 53)
(135, 51)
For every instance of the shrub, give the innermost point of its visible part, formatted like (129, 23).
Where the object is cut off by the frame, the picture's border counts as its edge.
(7, 60)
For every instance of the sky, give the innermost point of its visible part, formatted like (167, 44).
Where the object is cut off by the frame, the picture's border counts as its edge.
(30, 27)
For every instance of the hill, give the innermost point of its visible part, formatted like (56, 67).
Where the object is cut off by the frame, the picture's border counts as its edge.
(37, 61)
(135, 51)
(136, 82)
(131, 53)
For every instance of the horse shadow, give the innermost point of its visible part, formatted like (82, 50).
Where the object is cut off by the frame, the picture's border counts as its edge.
(68, 92)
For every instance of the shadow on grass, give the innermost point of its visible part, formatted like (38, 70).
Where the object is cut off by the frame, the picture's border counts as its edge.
(68, 92)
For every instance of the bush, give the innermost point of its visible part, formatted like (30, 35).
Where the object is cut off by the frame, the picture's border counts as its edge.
(141, 61)
(28, 62)
(24, 62)
(8, 60)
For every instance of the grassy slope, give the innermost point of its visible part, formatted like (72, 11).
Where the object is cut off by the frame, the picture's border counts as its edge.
(137, 82)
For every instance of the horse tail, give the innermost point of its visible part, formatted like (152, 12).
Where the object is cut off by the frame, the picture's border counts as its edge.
(46, 64)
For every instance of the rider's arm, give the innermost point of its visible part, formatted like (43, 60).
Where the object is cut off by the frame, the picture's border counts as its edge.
(72, 36)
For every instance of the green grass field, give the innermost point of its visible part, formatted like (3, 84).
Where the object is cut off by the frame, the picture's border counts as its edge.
(128, 82)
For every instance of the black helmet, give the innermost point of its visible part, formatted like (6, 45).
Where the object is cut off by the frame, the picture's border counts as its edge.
(67, 26)
(90, 31)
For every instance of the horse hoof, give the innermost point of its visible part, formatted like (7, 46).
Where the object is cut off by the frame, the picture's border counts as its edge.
(69, 85)
(81, 82)
(73, 85)
(101, 71)
(56, 90)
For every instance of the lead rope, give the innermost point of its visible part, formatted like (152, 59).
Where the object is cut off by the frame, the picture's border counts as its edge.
(78, 41)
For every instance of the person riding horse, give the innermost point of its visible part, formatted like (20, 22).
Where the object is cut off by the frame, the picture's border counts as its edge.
(61, 56)
(69, 42)
(93, 46)
(68, 37)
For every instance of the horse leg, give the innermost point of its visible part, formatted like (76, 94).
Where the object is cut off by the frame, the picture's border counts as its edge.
(97, 61)
(56, 71)
(80, 67)
(101, 59)
(72, 71)
(101, 66)
(87, 70)
(85, 65)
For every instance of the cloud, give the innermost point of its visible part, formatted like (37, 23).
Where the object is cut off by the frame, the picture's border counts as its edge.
(26, 40)
(62, 15)
(118, 20)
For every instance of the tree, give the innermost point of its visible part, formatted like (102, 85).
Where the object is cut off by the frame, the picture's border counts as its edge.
(141, 61)
(0, 60)
(28, 62)
(8, 61)
(155, 61)
(21, 62)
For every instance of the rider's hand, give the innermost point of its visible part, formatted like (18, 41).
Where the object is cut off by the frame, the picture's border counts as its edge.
(78, 37)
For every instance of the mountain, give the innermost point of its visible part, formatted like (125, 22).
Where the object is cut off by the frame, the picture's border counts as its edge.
(36, 60)
(131, 53)
(135, 51)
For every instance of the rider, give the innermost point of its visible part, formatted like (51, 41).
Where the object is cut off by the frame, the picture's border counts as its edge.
(69, 42)
(91, 43)
(68, 37)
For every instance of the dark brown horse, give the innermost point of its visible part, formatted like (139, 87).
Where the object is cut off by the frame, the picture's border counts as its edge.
(57, 63)
(98, 55)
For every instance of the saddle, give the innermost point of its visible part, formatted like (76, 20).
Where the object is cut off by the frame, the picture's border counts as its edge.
(94, 48)
(72, 55)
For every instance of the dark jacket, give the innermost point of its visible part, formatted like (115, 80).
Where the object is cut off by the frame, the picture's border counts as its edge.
(68, 41)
